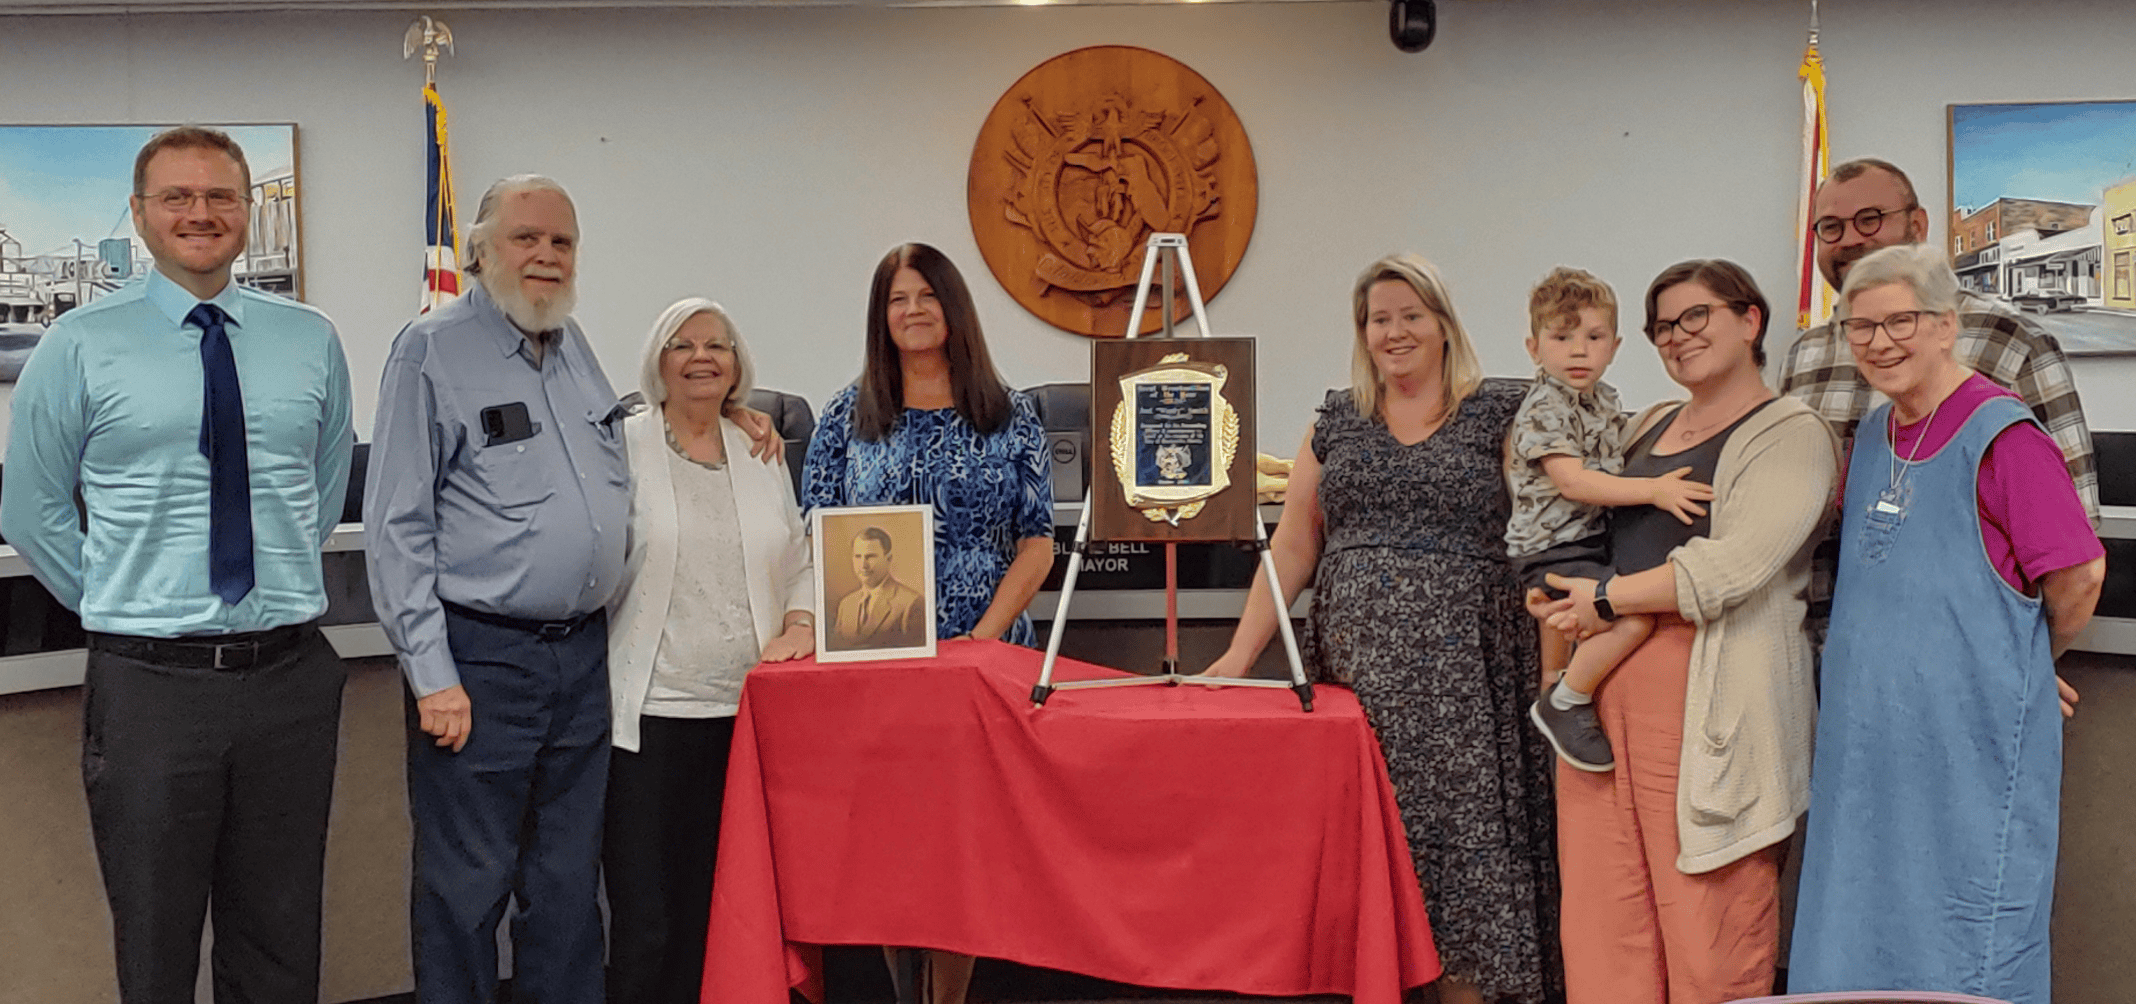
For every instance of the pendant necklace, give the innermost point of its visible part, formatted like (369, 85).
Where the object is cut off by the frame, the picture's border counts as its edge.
(1892, 500)
(1688, 435)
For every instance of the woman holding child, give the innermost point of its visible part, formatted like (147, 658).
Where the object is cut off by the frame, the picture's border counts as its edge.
(1396, 513)
(1671, 860)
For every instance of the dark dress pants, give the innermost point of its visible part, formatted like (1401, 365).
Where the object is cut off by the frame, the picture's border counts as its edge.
(210, 785)
(515, 813)
(663, 838)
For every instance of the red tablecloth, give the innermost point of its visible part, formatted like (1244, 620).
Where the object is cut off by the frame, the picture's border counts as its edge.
(1161, 836)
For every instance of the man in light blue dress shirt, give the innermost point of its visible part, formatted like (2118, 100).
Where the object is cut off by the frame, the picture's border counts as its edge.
(497, 512)
(206, 426)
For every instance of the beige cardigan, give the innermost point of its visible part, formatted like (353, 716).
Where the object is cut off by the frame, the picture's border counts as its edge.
(1750, 703)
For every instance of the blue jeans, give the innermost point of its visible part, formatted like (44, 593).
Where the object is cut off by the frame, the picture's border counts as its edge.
(515, 813)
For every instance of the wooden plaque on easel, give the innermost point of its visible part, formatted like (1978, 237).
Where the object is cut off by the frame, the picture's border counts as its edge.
(1172, 435)
(1172, 444)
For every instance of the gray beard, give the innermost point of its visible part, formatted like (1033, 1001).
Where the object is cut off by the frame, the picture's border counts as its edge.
(527, 315)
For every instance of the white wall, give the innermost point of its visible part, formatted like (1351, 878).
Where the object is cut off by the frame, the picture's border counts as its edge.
(767, 157)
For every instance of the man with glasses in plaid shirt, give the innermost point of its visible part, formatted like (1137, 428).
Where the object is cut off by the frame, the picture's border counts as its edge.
(1866, 205)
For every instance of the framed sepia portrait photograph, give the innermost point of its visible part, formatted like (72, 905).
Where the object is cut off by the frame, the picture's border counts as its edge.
(875, 582)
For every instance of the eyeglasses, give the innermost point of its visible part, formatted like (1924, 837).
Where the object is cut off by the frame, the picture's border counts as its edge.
(178, 200)
(1690, 322)
(1831, 228)
(690, 349)
(1900, 326)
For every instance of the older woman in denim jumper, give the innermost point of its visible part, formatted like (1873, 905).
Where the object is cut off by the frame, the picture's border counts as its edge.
(1967, 565)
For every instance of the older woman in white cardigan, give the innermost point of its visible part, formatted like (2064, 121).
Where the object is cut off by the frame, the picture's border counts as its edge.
(718, 580)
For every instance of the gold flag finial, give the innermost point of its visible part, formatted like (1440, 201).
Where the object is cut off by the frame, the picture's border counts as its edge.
(429, 35)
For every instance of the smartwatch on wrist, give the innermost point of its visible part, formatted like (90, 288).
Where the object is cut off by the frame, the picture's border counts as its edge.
(1603, 608)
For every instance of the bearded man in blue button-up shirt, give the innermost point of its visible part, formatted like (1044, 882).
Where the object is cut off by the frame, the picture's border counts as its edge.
(496, 520)
(206, 426)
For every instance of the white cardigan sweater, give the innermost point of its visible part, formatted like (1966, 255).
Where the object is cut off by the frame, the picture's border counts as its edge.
(1750, 703)
(775, 559)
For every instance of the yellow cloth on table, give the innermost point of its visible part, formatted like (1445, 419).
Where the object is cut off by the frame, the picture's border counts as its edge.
(1271, 477)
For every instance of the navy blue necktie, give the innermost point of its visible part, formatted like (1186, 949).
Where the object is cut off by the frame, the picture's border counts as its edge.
(222, 441)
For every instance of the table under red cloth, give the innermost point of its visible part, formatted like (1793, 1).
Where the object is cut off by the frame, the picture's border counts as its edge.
(1161, 836)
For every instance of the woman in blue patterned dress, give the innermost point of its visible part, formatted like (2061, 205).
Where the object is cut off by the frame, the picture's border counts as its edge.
(930, 421)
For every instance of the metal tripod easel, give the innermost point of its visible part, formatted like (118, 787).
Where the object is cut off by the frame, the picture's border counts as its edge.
(1169, 251)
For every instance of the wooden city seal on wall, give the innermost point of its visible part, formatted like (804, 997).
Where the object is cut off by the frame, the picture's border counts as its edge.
(1084, 158)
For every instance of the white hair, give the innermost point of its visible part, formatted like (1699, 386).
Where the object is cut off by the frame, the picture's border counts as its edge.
(670, 321)
(1919, 267)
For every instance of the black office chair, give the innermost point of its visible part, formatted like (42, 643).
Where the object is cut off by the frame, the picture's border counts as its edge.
(1064, 411)
(359, 470)
(796, 422)
(2115, 453)
(1062, 407)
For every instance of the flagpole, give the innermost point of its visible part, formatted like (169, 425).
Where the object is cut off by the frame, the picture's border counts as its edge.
(441, 237)
(1813, 301)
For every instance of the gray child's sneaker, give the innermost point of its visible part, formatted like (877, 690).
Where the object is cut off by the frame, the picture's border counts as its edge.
(1576, 734)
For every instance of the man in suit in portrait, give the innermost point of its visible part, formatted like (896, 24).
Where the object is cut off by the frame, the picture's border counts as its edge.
(883, 612)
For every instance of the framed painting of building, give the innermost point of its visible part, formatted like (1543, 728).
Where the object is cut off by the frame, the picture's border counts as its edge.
(67, 234)
(2043, 215)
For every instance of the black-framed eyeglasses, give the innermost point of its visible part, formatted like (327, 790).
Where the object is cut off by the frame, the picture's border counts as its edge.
(1900, 325)
(1830, 229)
(1692, 321)
(178, 200)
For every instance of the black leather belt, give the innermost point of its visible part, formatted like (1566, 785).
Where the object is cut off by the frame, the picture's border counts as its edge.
(545, 630)
(221, 651)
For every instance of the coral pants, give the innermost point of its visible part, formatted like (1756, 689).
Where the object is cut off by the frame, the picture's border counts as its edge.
(1636, 930)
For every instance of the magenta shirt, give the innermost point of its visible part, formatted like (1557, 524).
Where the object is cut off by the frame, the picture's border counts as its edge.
(2031, 521)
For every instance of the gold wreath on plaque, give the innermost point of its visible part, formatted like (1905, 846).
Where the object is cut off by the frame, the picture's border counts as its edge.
(1086, 157)
(1164, 472)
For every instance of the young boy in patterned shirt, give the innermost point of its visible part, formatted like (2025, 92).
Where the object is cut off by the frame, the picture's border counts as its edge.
(1562, 460)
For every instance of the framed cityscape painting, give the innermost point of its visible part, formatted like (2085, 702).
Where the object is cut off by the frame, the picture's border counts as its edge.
(2043, 215)
(67, 235)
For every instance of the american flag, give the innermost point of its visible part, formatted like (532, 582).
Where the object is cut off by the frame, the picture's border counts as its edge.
(441, 234)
